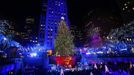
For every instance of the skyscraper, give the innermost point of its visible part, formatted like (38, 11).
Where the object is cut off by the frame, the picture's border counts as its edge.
(55, 9)
(41, 32)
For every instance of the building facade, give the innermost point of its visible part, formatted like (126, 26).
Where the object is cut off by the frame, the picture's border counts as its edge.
(41, 32)
(55, 9)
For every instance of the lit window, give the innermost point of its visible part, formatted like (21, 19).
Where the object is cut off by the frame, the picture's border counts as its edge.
(133, 8)
(52, 12)
(125, 4)
(126, 7)
(59, 4)
(51, 29)
(123, 9)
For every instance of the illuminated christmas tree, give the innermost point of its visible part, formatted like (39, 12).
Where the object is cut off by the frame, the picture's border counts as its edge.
(64, 40)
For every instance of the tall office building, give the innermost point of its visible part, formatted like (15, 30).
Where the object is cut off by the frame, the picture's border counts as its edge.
(28, 28)
(55, 9)
(41, 32)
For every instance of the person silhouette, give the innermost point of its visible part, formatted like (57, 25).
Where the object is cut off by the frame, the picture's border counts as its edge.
(61, 72)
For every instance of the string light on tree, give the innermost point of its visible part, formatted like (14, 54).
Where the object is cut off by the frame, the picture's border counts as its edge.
(64, 40)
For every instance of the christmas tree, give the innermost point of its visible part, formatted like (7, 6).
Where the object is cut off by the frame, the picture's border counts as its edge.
(64, 40)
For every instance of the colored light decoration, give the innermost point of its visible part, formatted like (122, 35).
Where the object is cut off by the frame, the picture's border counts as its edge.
(88, 53)
(125, 4)
(100, 52)
(127, 39)
(5, 38)
(49, 52)
(66, 61)
(133, 8)
(106, 69)
(5, 56)
(132, 50)
(10, 73)
(33, 54)
(95, 66)
(123, 8)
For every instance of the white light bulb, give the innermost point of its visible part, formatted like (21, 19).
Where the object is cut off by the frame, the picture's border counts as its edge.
(62, 18)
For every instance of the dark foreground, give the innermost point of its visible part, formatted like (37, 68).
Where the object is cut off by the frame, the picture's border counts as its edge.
(110, 66)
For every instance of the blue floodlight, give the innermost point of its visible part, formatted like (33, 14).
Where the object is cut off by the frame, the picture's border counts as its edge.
(33, 54)
(5, 38)
(88, 53)
(100, 52)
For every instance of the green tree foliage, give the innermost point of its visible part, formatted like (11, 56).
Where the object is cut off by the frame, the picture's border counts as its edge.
(64, 40)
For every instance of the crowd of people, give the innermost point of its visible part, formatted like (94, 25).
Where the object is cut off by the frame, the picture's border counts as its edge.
(109, 68)
(113, 67)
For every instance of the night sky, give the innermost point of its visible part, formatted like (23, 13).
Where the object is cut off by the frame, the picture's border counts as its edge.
(18, 10)
(79, 8)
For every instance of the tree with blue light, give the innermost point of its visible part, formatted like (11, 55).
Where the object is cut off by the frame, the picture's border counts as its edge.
(6, 38)
(122, 38)
(6, 42)
(64, 40)
(3, 26)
